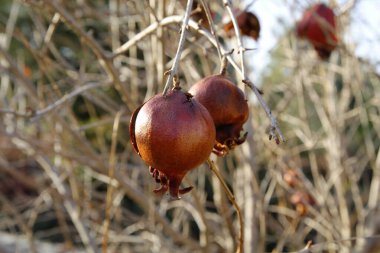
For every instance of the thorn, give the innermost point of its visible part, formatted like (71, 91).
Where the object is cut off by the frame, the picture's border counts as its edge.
(229, 52)
(248, 83)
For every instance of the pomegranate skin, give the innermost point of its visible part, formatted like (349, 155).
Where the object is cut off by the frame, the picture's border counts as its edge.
(228, 108)
(173, 134)
(248, 23)
(318, 26)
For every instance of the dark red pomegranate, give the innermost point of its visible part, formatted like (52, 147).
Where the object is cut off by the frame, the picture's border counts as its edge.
(318, 26)
(172, 134)
(228, 108)
(248, 23)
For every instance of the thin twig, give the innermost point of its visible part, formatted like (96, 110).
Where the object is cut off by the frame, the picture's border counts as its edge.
(173, 71)
(275, 130)
(147, 31)
(227, 4)
(318, 247)
(66, 98)
(212, 29)
(104, 59)
(20, 220)
(307, 248)
(111, 175)
(347, 7)
(50, 31)
(231, 197)
(17, 114)
(70, 205)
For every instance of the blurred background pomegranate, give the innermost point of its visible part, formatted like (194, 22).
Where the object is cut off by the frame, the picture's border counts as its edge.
(318, 26)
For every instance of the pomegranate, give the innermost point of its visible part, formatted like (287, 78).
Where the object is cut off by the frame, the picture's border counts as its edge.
(228, 108)
(172, 134)
(318, 26)
(301, 200)
(291, 177)
(248, 23)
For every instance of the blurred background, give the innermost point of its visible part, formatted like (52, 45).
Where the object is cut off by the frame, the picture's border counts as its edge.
(71, 74)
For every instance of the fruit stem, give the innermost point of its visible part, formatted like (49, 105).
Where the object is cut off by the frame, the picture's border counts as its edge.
(231, 197)
(212, 29)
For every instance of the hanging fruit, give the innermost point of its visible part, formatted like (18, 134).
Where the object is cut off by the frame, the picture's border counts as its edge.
(228, 108)
(318, 26)
(248, 23)
(173, 134)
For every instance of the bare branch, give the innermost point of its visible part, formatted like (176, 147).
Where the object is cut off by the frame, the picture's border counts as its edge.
(182, 38)
(227, 4)
(231, 197)
(39, 113)
(104, 59)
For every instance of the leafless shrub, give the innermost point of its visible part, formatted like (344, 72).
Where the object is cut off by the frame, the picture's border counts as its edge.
(73, 71)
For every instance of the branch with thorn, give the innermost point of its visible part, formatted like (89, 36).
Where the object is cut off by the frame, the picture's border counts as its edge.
(173, 71)
(275, 132)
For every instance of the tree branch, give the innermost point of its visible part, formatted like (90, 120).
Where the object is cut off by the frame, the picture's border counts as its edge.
(173, 71)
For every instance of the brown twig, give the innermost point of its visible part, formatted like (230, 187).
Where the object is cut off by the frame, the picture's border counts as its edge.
(227, 5)
(104, 59)
(212, 28)
(111, 175)
(275, 131)
(231, 197)
(173, 70)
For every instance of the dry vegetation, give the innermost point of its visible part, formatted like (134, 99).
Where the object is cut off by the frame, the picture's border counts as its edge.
(73, 71)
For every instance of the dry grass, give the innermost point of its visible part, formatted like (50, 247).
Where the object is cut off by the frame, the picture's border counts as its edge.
(73, 71)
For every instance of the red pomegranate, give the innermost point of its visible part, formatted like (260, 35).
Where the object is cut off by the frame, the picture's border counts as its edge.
(248, 23)
(301, 200)
(173, 134)
(228, 108)
(291, 177)
(318, 26)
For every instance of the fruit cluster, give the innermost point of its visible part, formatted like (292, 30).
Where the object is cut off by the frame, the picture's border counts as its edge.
(176, 132)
